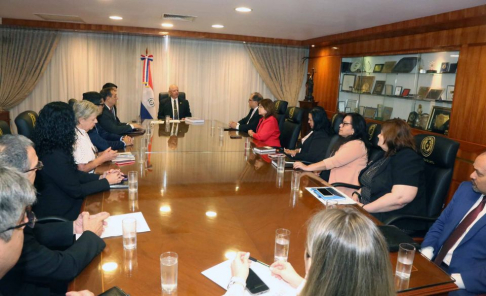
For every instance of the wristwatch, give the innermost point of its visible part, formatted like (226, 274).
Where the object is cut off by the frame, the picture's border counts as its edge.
(236, 280)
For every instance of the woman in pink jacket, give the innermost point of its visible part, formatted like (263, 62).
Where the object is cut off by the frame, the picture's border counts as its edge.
(267, 130)
(349, 155)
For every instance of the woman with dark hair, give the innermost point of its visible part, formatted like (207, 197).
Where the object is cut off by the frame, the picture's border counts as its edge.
(394, 184)
(345, 254)
(314, 145)
(349, 155)
(267, 130)
(61, 186)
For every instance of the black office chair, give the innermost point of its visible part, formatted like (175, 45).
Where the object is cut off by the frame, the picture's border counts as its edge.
(336, 121)
(281, 108)
(291, 128)
(374, 129)
(4, 128)
(25, 123)
(439, 155)
(71, 102)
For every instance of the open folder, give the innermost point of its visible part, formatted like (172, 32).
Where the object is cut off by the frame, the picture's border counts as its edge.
(221, 275)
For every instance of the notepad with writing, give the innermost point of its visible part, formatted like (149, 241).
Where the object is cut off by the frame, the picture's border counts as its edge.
(221, 275)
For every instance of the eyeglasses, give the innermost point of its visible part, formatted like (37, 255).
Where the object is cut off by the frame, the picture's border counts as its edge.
(38, 167)
(32, 220)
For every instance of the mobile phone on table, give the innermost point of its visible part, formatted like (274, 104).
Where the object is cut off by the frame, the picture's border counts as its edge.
(325, 192)
(254, 284)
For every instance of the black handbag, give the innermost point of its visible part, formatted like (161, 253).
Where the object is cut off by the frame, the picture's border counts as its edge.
(394, 237)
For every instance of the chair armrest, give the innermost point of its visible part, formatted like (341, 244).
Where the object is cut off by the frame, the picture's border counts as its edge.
(352, 186)
(409, 217)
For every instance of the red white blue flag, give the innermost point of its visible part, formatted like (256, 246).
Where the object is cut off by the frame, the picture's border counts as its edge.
(147, 106)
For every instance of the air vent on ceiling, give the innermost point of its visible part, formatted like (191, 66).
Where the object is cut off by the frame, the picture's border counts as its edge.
(60, 18)
(178, 17)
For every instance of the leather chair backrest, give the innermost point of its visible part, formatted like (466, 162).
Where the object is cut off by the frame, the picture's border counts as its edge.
(374, 129)
(165, 95)
(4, 128)
(25, 123)
(291, 129)
(439, 155)
(336, 121)
(71, 102)
(281, 108)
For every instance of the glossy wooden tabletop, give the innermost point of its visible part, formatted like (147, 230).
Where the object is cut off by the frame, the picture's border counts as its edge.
(202, 199)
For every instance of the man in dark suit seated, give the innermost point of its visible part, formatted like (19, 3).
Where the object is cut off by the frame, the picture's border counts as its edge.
(98, 135)
(456, 241)
(173, 106)
(108, 118)
(42, 269)
(250, 122)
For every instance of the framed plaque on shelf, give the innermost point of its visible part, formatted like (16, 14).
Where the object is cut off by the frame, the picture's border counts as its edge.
(387, 112)
(348, 82)
(398, 91)
(422, 92)
(388, 89)
(405, 92)
(378, 68)
(364, 84)
(444, 68)
(434, 94)
(369, 112)
(439, 119)
(379, 86)
(388, 67)
(450, 93)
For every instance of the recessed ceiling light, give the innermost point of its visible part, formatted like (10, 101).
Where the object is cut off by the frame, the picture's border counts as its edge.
(211, 214)
(115, 17)
(335, 47)
(167, 25)
(244, 41)
(163, 33)
(313, 45)
(218, 26)
(243, 9)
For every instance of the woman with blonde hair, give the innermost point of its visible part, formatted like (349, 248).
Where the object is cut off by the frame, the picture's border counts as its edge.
(85, 152)
(345, 255)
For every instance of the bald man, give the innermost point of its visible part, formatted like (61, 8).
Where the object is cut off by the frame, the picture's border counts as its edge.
(174, 106)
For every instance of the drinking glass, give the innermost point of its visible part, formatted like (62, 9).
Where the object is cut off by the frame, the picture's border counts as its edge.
(129, 226)
(406, 253)
(167, 119)
(282, 244)
(295, 184)
(331, 204)
(168, 271)
(280, 179)
(132, 181)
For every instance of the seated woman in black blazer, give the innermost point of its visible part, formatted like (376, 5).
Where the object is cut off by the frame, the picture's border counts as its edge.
(395, 183)
(314, 145)
(60, 185)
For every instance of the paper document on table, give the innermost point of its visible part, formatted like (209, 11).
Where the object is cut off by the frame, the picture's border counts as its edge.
(340, 197)
(157, 122)
(114, 227)
(221, 275)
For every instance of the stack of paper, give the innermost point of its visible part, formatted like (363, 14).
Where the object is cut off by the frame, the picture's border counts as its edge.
(264, 150)
(114, 224)
(338, 196)
(124, 158)
(194, 120)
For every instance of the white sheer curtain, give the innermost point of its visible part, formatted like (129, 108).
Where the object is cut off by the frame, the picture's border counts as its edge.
(217, 76)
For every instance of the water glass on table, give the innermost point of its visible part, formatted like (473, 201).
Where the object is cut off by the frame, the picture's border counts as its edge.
(331, 204)
(129, 227)
(167, 119)
(282, 244)
(281, 163)
(168, 271)
(132, 181)
(295, 184)
(406, 253)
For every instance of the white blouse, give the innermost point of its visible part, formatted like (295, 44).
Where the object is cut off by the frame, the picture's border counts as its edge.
(84, 150)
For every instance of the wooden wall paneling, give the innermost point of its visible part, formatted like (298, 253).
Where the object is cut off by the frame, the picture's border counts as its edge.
(326, 81)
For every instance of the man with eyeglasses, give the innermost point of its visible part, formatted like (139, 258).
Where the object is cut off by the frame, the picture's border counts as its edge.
(50, 257)
(249, 122)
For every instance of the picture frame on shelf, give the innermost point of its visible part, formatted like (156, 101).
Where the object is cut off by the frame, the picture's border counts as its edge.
(450, 93)
(364, 84)
(345, 67)
(369, 112)
(361, 110)
(453, 68)
(352, 105)
(435, 94)
(439, 119)
(378, 68)
(347, 110)
(348, 82)
(422, 120)
(387, 113)
(444, 67)
(388, 67)
(379, 86)
(389, 89)
(379, 112)
(405, 92)
(422, 92)
(398, 91)
(341, 106)
(356, 67)
(412, 118)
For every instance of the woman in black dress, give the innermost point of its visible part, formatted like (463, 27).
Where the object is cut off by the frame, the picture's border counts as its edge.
(60, 185)
(314, 145)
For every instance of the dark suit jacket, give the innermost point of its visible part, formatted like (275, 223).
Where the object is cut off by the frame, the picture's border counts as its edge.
(62, 188)
(182, 129)
(165, 108)
(104, 140)
(314, 148)
(469, 258)
(41, 268)
(252, 125)
(111, 123)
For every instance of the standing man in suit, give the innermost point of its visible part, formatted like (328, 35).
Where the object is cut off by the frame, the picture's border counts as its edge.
(43, 269)
(108, 118)
(456, 242)
(177, 108)
(249, 122)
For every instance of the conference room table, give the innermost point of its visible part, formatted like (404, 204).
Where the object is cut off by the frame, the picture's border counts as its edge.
(204, 196)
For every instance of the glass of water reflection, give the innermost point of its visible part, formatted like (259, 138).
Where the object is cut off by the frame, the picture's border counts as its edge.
(168, 271)
(129, 227)
(282, 244)
(406, 254)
